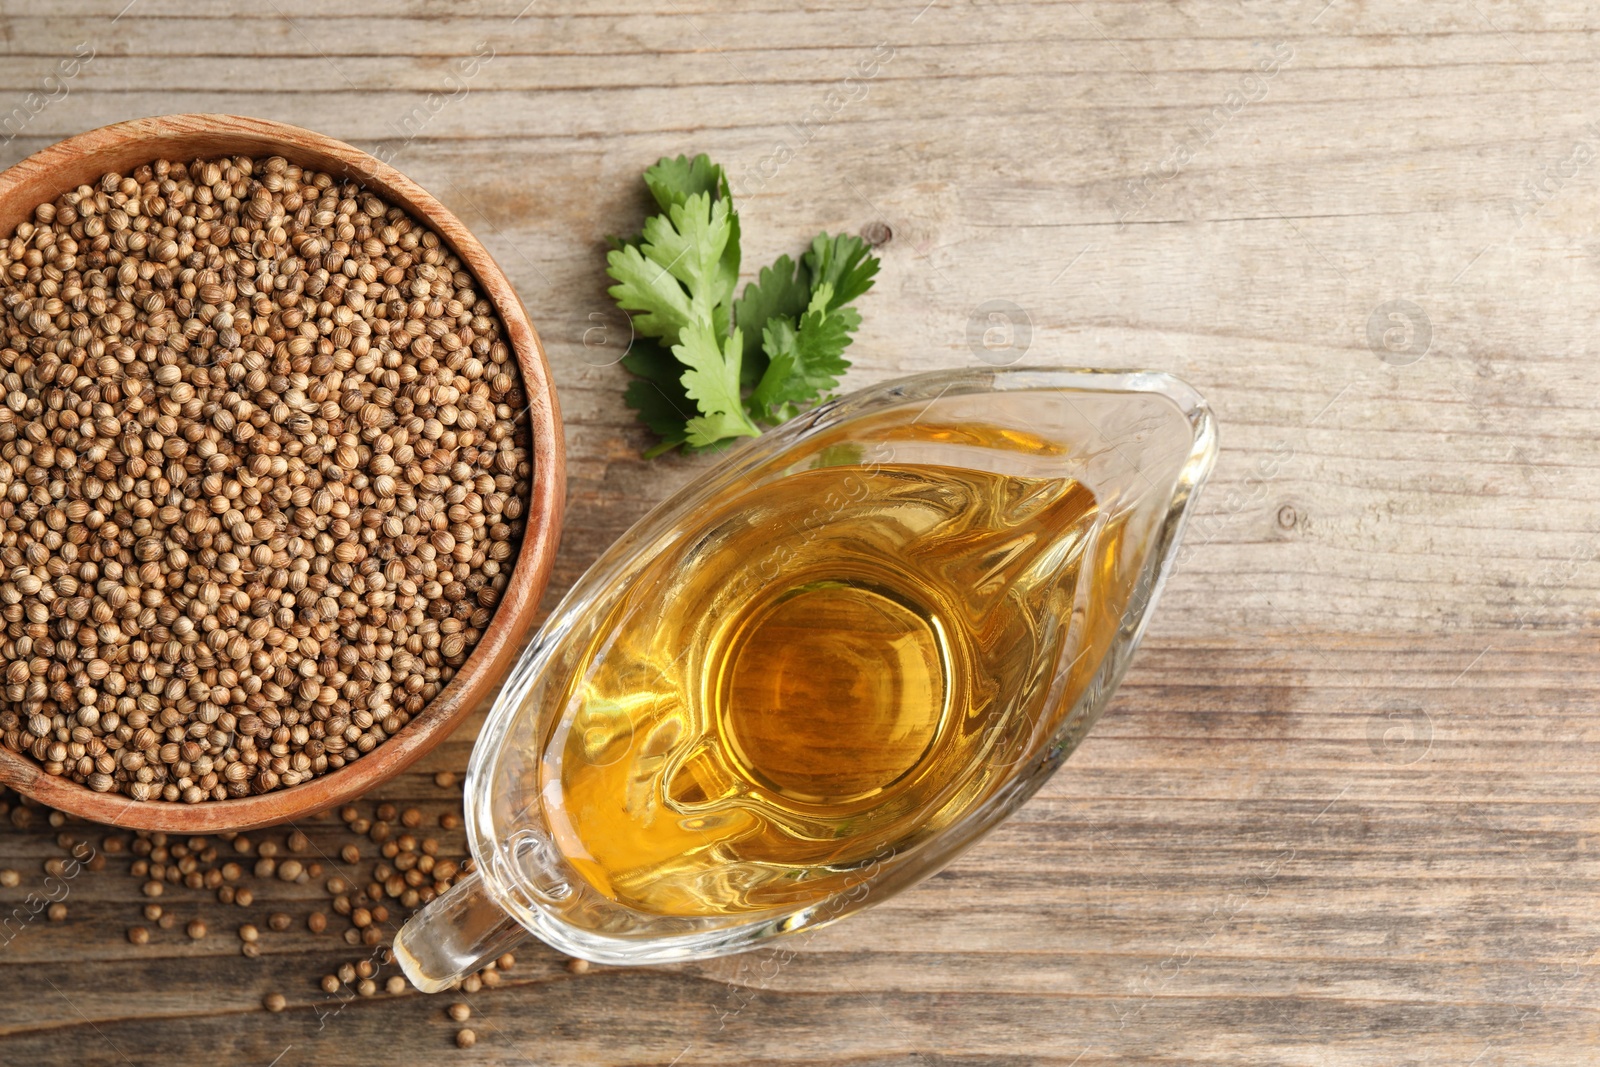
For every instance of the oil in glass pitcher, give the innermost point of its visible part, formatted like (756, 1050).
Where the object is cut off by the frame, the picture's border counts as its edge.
(815, 675)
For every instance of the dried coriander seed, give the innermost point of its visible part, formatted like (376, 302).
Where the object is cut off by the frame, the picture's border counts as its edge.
(459, 1012)
(274, 1002)
(466, 1039)
(268, 475)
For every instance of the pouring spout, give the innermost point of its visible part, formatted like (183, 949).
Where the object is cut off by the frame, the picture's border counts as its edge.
(454, 936)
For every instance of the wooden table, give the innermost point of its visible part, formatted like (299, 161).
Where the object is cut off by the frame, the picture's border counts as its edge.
(1344, 808)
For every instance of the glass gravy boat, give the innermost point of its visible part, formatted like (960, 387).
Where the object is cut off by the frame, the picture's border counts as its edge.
(960, 566)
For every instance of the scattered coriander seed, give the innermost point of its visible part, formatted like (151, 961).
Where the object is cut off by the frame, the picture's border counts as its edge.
(506, 962)
(167, 921)
(154, 889)
(274, 1002)
(152, 912)
(459, 1012)
(267, 850)
(266, 867)
(367, 987)
(361, 917)
(57, 820)
(196, 930)
(578, 966)
(316, 922)
(56, 912)
(411, 817)
(466, 1039)
(471, 984)
(10, 878)
(330, 983)
(449, 821)
(350, 854)
(55, 867)
(395, 985)
(299, 842)
(225, 894)
(289, 870)
(139, 935)
(386, 812)
(250, 950)
(352, 936)
(444, 780)
(366, 969)
(347, 973)
(249, 934)
(490, 978)
(244, 898)
(279, 920)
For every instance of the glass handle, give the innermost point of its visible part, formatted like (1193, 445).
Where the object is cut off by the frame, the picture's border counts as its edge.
(454, 936)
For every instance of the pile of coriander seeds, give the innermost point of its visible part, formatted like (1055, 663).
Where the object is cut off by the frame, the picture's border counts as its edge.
(263, 468)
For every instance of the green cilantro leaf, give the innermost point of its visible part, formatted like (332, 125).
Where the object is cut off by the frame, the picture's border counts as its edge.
(843, 262)
(673, 181)
(657, 394)
(712, 382)
(778, 291)
(680, 275)
(804, 360)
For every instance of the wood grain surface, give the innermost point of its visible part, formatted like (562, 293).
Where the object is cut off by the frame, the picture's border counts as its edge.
(1343, 810)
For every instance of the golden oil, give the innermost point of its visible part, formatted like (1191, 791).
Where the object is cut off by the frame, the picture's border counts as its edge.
(824, 671)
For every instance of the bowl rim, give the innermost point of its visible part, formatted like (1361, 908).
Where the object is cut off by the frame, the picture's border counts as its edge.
(121, 147)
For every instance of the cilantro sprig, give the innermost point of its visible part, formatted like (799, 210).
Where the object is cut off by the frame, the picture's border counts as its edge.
(709, 368)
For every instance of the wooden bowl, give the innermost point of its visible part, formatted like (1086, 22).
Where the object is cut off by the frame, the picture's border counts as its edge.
(82, 160)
